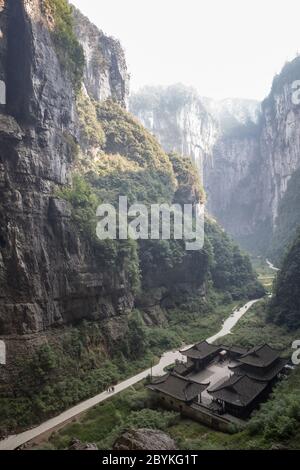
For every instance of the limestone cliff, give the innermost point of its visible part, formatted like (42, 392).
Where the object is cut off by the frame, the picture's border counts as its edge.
(105, 72)
(48, 273)
(250, 153)
(220, 136)
(178, 118)
(269, 154)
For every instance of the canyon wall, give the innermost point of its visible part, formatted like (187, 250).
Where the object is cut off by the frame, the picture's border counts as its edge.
(249, 158)
(52, 273)
(48, 271)
(178, 118)
(105, 71)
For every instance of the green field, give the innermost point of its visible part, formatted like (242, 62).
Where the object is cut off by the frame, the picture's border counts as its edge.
(266, 275)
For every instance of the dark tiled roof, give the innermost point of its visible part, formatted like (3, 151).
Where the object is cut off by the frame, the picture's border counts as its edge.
(265, 375)
(260, 356)
(201, 350)
(238, 390)
(182, 369)
(178, 387)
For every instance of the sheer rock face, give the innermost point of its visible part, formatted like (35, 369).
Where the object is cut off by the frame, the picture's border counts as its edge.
(249, 151)
(144, 439)
(227, 182)
(206, 131)
(105, 73)
(49, 275)
(178, 118)
(260, 166)
(280, 142)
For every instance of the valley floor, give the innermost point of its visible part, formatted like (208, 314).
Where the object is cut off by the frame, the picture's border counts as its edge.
(167, 359)
(276, 424)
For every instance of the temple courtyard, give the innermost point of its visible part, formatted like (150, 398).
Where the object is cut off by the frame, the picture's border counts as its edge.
(220, 385)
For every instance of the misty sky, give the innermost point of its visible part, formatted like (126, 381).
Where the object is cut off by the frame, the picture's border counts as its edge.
(224, 48)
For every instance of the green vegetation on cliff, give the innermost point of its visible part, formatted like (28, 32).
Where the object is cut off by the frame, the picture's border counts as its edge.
(69, 52)
(132, 163)
(91, 132)
(180, 295)
(231, 269)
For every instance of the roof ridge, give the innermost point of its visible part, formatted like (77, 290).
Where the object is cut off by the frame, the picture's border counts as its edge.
(185, 379)
(256, 348)
(161, 379)
(253, 350)
(199, 343)
(254, 379)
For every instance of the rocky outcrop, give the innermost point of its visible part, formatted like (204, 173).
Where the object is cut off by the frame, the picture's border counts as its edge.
(76, 444)
(105, 73)
(144, 439)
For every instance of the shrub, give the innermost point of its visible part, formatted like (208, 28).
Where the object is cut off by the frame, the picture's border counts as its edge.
(151, 419)
(69, 52)
(84, 204)
(91, 130)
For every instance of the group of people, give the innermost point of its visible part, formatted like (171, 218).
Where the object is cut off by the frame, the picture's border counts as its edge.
(111, 389)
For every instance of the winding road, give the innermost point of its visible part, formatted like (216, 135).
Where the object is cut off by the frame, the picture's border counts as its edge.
(167, 359)
(271, 266)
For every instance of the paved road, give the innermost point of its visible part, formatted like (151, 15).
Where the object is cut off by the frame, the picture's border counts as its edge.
(271, 266)
(167, 359)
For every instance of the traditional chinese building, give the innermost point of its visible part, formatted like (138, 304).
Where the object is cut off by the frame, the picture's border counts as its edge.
(174, 390)
(260, 363)
(241, 381)
(201, 354)
(239, 395)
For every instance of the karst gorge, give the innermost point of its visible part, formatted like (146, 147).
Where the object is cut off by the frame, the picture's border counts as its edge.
(79, 315)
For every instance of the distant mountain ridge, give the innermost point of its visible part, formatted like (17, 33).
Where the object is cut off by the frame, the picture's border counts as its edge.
(231, 112)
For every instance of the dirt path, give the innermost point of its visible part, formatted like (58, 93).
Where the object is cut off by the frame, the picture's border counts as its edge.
(167, 359)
